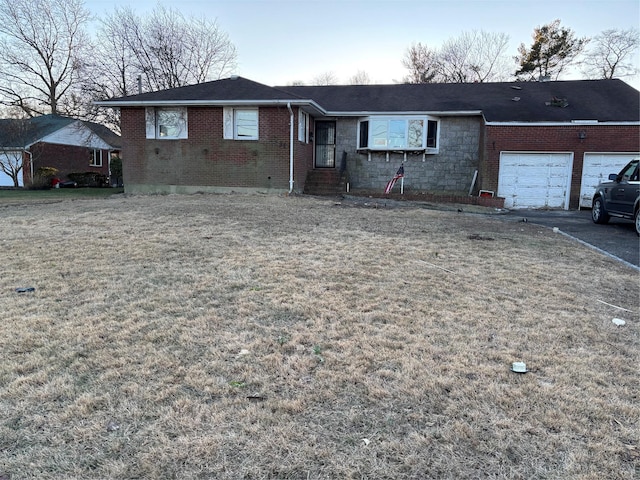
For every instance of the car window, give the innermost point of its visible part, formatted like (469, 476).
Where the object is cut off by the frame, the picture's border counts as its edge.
(630, 172)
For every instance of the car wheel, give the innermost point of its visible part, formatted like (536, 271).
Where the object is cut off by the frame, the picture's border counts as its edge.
(637, 220)
(598, 213)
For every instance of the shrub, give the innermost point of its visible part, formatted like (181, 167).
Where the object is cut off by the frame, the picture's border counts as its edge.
(43, 177)
(89, 179)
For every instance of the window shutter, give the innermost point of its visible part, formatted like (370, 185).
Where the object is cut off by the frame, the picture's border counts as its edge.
(227, 120)
(150, 118)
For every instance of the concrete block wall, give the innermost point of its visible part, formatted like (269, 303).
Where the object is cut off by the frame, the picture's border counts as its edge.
(450, 170)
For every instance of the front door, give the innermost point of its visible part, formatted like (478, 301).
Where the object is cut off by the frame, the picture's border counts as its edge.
(325, 145)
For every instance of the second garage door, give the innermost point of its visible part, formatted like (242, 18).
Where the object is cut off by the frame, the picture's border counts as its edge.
(535, 180)
(596, 168)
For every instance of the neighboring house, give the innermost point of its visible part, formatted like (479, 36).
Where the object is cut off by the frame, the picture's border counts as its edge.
(543, 144)
(66, 144)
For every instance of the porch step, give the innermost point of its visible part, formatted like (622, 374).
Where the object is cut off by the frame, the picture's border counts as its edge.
(325, 182)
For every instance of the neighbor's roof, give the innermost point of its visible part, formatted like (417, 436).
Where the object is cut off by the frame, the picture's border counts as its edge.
(563, 101)
(37, 128)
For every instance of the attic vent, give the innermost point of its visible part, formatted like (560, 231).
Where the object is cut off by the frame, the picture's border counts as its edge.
(516, 87)
(557, 102)
(233, 77)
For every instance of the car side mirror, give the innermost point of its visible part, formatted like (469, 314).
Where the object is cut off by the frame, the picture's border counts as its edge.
(613, 176)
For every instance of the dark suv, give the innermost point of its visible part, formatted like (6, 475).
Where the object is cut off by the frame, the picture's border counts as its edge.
(619, 197)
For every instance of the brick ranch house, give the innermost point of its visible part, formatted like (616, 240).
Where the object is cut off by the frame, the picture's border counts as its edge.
(66, 144)
(534, 144)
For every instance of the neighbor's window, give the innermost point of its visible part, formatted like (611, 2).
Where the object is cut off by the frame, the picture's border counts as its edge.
(95, 157)
(166, 123)
(240, 123)
(398, 133)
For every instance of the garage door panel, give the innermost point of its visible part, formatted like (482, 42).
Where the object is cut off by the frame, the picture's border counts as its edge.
(535, 180)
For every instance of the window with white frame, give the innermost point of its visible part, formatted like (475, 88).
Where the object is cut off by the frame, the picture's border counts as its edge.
(166, 123)
(399, 133)
(240, 123)
(303, 127)
(95, 157)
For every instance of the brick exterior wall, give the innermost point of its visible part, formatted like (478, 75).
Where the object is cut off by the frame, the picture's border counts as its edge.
(66, 158)
(207, 162)
(450, 170)
(599, 138)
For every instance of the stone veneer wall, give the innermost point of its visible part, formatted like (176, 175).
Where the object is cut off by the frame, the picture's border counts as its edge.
(450, 170)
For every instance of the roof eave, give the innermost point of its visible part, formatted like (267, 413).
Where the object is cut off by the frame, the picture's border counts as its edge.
(558, 124)
(436, 113)
(202, 103)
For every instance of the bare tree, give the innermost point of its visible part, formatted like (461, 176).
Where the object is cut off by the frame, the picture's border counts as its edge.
(360, 78)
(475, 56)
(611, 54)
(325, 78)
(553, 49)
(15, 136)
(166, 49)
(423, 64)
(42, 46)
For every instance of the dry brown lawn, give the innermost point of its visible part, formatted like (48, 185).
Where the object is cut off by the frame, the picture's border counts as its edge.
(266, 337)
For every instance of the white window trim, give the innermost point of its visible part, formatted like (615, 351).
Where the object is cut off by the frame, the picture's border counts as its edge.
(229, 120)
(96, 158)
(153, 127)
(303, 126)
(425, 129)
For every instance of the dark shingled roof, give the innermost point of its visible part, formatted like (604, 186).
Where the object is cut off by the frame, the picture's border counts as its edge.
(602, 100)
(228, 89)
(33, 129)
(564, 101)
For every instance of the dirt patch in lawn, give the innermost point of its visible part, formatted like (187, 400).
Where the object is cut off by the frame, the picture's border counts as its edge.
(238, 336)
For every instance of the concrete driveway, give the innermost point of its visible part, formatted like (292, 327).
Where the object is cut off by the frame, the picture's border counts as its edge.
(618, 238)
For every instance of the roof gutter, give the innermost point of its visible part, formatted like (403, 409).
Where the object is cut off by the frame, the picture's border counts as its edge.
(572, 123)
(204, 103)
(290, 148)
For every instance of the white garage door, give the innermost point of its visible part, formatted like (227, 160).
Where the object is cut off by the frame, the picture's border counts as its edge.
(535, 180)
(596, 168)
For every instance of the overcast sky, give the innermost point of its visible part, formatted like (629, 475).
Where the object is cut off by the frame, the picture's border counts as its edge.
(281, 41)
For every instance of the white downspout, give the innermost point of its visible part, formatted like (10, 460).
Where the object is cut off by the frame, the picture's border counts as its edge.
(290, 148)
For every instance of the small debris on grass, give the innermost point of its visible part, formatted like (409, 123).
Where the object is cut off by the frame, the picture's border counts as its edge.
(366, 441)
(244, 351)
(256, 398)
(112, 426)
(476, 236)
(25, 289)
(618, 321)
(519, 367)
(614, 306)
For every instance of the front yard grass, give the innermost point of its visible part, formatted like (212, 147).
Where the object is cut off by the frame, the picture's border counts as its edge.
(266, 337)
